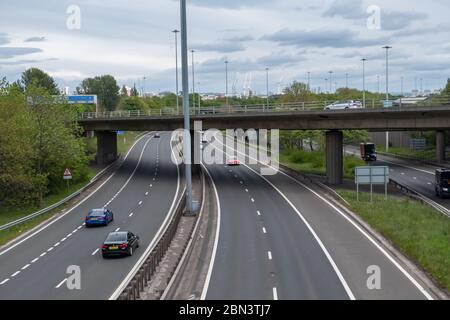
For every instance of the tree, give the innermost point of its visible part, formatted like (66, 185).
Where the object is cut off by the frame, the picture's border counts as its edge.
(124, 91)
(296, 92)
(447, 88)
(132, 103)
(134, 92)
(38, 79)
(106, 89)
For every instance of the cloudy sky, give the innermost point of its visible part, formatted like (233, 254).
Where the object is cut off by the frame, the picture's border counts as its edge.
(133, 39)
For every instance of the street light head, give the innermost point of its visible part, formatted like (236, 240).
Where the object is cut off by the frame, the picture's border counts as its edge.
(176, 31)
(387, 47)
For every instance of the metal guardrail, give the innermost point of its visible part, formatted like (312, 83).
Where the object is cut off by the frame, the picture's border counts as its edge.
(418, 196)
(259, 108)
(148, 267)
(59, 203)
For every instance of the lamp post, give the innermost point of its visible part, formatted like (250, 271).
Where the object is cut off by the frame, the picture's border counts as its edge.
(226, 82)
(267, 86)
(193, 81)
(346, 80)
(364, 81)
(309, 81)
(387, 90)
(331, 83)
(185, 84)
(176, 68)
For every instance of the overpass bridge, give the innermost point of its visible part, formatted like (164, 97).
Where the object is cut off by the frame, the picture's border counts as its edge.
(288, 117)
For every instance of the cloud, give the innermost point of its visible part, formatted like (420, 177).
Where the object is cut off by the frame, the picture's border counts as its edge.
(11, 52)
(228, 4)
(347, 9)
(4, 38)
(390, 20)
(35, 39)
(322, 38)
(220, 47)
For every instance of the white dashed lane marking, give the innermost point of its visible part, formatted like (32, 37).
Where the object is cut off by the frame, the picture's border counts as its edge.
(140, 202)
(264, 230)
(275, 294)
(25, 266)
(258, 212)
(4, 281)
(131, 214)
(34, 260)
(117, 230)
(253, 200)
(95, 251)
(269, 255)
(43, 254)
(61, 283)
(15, 274)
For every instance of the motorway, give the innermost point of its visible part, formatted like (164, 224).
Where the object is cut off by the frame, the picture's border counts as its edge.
(141, 194)
(418, 177)
(279, 239)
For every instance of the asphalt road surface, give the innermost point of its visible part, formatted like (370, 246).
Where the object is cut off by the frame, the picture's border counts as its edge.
(278, 239)
(140, 194)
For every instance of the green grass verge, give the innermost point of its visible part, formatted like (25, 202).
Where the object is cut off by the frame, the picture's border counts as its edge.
(124, 143)
(416, 229)
(314, 162)
(425, 154)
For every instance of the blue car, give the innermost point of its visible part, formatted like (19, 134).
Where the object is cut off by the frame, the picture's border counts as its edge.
(99, 217)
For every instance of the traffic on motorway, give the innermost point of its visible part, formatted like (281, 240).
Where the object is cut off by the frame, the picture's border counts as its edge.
(231, 158)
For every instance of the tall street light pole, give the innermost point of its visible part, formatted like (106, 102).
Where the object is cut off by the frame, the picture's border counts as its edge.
(387, 90)
(267, 86)
(331, 82)
(364, 81)
(346, 80)
(176, 72)
(185, 85)
(309, 81)
(193, 80)
(226, 82)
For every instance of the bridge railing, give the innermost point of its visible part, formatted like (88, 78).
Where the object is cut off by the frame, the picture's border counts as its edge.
(260, 108)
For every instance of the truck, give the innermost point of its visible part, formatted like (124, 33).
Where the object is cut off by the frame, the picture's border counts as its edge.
(442, 185)
(368, 152)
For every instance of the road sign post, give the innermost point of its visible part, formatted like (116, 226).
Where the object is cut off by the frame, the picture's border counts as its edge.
(371, 176)
(67, 176)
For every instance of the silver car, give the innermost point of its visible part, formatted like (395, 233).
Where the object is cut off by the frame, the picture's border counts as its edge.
(343, 105)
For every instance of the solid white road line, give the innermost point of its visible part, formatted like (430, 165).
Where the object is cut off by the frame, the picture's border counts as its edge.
(216, 239)
(61, 283)
(134, 171)
(378, 246)
(170, 213)
(67, 212)
(95, 251)
(275, 294)
(314, 234)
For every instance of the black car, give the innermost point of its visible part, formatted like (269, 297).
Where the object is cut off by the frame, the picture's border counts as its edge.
(121, 243)
(442, 186)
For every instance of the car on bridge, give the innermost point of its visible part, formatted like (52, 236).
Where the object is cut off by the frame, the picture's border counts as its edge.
(99, 217)
(442, 186)
(121, 243)
(343, 105)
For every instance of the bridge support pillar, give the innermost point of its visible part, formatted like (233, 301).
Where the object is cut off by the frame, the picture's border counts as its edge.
(106, 147)
(334, 157)
(195, 151)
(440, 146)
